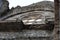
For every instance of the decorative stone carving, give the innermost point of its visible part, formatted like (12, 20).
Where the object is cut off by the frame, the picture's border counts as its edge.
(19, 13)
(36, 7)
(4, 6)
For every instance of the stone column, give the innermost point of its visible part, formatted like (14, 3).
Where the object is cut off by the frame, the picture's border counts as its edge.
(56, 27)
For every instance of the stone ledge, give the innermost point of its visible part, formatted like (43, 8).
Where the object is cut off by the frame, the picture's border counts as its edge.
(25, 34)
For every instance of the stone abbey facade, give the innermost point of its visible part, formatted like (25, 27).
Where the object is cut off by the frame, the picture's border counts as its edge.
(32, 22)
